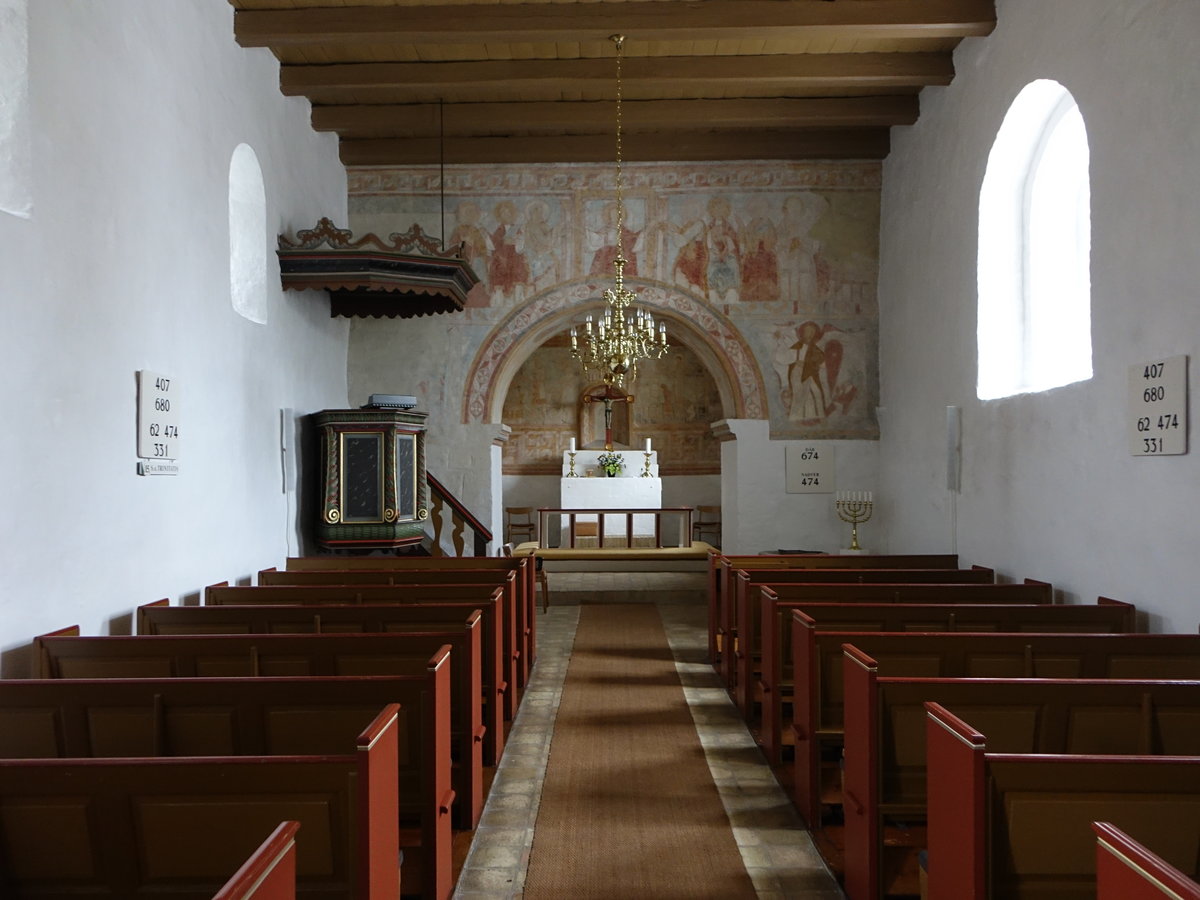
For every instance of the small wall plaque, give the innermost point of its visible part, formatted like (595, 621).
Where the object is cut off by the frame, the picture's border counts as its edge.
(1157, 418)
(810, 468)
(158, 418)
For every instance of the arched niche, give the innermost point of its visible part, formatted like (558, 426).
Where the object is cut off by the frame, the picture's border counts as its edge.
(690, 322)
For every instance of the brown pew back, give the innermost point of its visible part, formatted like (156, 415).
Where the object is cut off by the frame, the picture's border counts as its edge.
(176, 828)
(1019, 825)
(767, 625)
(817, 709)
(885, 758)
(328, 618)
(721, 618)
(174, 717)
(65, 654)
(270, 872)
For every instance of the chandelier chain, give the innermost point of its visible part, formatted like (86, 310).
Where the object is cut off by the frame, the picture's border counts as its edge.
(611, 347)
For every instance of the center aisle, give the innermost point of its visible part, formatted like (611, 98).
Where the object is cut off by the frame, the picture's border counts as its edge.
(774, 847)
(629, 808)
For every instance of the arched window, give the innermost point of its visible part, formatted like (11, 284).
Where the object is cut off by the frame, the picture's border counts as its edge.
(1034, 268)
(247, 236)
(16, 175)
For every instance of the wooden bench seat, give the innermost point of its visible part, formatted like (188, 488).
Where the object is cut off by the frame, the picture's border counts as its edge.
(270, 872)
(173, 717)
(817, 708)
(314, 613)
(385, 594)
(520, 602)
(767, 627)
(65, 654)
(174, 829)
(721, 618)
(1008, 824)
(1127, 870)
(884, 780)
(525, 569)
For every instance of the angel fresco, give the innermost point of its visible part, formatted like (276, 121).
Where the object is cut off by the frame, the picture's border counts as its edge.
(813, 390)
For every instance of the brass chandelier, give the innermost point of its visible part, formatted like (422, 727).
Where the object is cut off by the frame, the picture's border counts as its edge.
(610, 349)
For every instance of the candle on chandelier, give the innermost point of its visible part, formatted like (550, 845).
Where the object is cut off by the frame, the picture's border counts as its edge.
(589, 324)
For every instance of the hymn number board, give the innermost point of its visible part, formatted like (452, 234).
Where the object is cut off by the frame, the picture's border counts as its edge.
(809, 468)
(1158, 407)
(158, 423)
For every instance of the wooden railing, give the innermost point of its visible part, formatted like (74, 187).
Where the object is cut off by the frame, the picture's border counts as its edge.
(442, 503)
(565, 526)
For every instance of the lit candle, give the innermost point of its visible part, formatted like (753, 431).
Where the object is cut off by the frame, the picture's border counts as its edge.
(572, 445)
(574, 340)
(589, 324)
(647, 445)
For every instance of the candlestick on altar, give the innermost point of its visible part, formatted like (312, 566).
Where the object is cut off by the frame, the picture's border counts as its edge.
(854, 507)
(571, 455)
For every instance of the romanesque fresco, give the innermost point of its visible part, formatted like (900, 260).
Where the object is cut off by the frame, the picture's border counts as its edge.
(785, 252)
(674, 402)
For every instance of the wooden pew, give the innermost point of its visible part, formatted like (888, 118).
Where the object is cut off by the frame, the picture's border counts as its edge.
(766, 598)
(884, 780)
(1125, 870)
(745, 585)
(173, 829)
(65, 654)
(721, 619)
(270, 872)
(394, 594)
(817, 709)
(1007, 824)
(311, 615)
(173, 717)
(519, 603)
(525, 568)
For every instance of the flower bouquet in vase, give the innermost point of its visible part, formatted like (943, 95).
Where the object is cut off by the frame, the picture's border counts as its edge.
(611, 463)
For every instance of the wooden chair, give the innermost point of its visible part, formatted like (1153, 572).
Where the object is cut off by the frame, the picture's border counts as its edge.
(707, 521)
(520, 521)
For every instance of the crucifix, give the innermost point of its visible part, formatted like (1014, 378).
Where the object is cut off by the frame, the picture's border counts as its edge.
(608, 396)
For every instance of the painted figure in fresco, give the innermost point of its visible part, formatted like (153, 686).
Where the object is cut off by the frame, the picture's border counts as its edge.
(691, 262)
(724, 258)
(813, 391)
(606, 249)
(508, 271)
(760, 266)
(540, 245)
(806, 275)
(475, 247)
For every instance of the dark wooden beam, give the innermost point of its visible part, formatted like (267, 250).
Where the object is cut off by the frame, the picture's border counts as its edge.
(779, 74)
(682, 146)
(680, 20)
(598, 117)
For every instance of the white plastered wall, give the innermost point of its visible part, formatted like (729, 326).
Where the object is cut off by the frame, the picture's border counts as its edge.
(1049, 489)
(136, 107)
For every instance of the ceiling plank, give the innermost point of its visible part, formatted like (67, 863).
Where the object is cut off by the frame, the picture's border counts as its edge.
(780, 73)
(851, 143)
(678, 20)
(598, 117)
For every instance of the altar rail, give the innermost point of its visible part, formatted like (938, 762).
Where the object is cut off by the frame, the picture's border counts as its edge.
(666, 519)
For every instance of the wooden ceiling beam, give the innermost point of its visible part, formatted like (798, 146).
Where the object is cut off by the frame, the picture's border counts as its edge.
(682, 146)
(598, 117)
(781, 74)
(678, 20)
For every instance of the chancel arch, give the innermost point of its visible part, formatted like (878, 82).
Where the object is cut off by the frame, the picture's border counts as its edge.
(691, 323)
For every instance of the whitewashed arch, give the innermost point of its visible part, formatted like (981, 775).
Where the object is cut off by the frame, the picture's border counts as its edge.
(690, 322)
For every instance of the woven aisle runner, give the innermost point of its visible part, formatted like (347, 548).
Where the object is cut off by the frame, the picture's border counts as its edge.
(629, 808)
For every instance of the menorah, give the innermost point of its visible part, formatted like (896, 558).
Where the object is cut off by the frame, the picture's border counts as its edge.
(855, 508)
